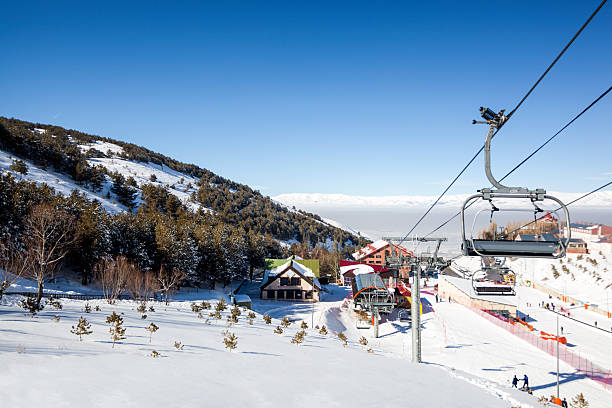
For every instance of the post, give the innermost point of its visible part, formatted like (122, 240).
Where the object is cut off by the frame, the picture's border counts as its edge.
(558, 355)
(415, 313)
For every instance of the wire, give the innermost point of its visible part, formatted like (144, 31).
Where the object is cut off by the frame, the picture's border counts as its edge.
(557, 59)
(508, 117)
(533, 153)
(567, 205)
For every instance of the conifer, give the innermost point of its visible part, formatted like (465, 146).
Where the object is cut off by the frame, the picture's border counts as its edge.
(304, 325)
(231, 341)
(363, 341)
(151, 328)
(82, 328)
(267, 319)
(117, 331)
(342, 339)
(285, 322)
(298, 338)
(278, 330)
(323, 330)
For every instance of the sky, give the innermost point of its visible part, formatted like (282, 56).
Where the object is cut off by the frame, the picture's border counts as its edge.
(366, 98)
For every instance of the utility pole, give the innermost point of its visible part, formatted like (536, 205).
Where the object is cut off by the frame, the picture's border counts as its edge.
(558, 355)
(415, 313)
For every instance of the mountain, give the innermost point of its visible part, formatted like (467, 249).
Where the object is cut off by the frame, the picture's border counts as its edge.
(137, 190)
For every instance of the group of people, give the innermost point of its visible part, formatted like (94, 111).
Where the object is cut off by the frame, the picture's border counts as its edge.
(525, 386)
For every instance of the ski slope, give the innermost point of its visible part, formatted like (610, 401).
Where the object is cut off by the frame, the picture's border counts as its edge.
(42, 362)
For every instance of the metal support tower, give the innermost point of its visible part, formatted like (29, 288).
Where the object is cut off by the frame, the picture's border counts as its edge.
(415, 312)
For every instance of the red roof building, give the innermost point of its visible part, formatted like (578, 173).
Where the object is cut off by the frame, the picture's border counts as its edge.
(377, 253)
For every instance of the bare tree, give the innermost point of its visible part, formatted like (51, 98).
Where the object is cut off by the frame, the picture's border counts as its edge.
(49, 234)
(141, 284)
(14, 263)
(113, 275)
(168, 280)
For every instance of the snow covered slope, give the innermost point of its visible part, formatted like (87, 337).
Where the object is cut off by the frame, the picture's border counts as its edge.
(179, 184)
(42, 362)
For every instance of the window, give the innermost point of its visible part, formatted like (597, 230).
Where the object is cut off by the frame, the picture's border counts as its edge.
(280, 294)
(298, 294)
(378, 256)
(295, 281)
(270, 294)
(309, 294)
(377, 262)
(387, 253)
(290, 294)
(284, 281)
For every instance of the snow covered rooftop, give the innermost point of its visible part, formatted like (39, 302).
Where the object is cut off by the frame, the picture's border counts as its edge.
(373, 247)
(291, 263)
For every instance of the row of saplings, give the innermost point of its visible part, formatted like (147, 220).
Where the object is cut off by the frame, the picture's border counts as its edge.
(230, 340)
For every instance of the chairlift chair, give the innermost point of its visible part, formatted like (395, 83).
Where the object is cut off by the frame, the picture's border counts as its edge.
(506, 248)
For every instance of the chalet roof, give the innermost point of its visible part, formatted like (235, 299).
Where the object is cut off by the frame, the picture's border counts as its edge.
(374, 247)
(270, 274)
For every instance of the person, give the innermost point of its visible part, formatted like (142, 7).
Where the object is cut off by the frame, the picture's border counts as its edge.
(595, 323)
(436, 298)
(561, 329)
(514, 381)
(564, 403)
(553, 307)
(525, 382)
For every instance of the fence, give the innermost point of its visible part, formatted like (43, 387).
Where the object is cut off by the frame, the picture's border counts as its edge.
(66, 295)
(582, 365)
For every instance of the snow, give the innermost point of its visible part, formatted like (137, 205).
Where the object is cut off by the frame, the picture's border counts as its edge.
(601, 199)
(290, 264)
(61, 183)
(44, 363)
(102, 146)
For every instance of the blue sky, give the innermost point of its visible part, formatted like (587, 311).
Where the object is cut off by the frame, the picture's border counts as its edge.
(366, 98)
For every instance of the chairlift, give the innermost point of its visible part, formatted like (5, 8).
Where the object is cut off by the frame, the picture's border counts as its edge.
(493, 278)
(503, 247)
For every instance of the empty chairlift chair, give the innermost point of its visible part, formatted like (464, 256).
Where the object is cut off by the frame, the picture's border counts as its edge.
(550, 247)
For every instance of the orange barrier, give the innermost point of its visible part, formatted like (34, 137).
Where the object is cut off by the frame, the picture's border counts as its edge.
(530, 327)
(548, 336)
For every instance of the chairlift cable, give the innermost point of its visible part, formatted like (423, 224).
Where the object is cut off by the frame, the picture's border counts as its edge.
(568, 204)
(558, 57)
(507, 117)
(534, 152)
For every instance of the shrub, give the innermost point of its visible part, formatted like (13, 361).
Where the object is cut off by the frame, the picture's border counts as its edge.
(178, 345)
(323, 330)
(195, 307)
(278, 330)
(285, 322)
(267, 319)
(31, 305)
(151, 328)
(82, 328)
(298, 338)
(221, 305)
(304, 325)
(579, 401)
(363, 341)
(342, 339)
(155, 354)
(231, 341)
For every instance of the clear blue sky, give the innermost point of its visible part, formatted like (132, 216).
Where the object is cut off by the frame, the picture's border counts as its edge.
(368, 98)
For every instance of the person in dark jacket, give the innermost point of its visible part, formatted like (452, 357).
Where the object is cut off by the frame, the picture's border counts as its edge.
(525, 381)
(564, 403)
(515, 381)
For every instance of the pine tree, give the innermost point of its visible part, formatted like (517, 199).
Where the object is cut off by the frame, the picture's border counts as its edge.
(19, 166)
(285, 322)
(342, 339)
(298, 338)
(278, 330)
(579, 402)
(363, 341)
(231, 341)
(267, 319)
(82, 328)
(323, 330)
(117, 331)
(304, 325)
(151, 328)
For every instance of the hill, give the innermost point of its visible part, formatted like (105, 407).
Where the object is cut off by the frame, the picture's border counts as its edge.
(128, 200)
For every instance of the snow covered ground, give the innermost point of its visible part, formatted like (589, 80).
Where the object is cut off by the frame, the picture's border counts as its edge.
(42, 362)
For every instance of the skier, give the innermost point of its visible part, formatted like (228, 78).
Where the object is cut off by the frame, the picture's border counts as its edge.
(525, 382)
(564, 403)
(515, 382)
(561, 329)
(595, 323)
(436, 298)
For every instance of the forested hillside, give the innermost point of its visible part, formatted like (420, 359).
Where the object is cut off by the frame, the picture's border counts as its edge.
(206, 226)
